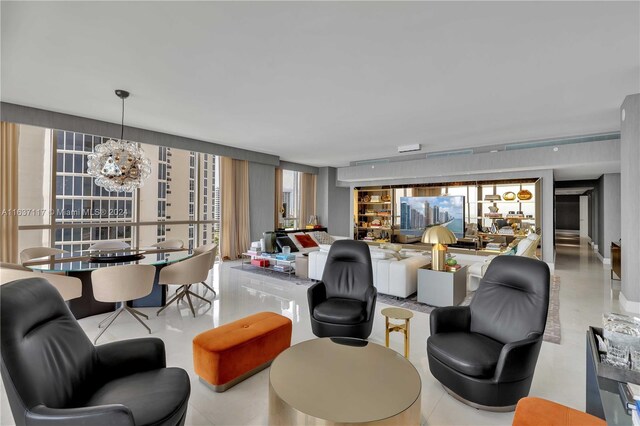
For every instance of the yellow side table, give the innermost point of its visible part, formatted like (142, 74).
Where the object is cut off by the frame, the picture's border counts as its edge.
(400, 314)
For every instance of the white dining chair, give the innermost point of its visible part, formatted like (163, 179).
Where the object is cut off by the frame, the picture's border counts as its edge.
(169, 244)
(109, 245)
(122, 284)
(186, 273)
(38, 252)
(69, 287)
(213, 249)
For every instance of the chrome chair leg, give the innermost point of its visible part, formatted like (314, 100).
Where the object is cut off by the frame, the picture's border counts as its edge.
(108, 318)
(210, 288)
(118, 312)
(133, 313)
(193, 311)
(173, 299)
(198, 296)
(138, 312)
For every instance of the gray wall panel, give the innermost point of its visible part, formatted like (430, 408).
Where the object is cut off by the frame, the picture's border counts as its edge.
(630, 202)
(334, 203)
(262, 182)
(54, 120)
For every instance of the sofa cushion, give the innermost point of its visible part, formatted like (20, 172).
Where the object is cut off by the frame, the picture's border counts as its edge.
(154, 397)
(379, 254)
(340, 311)
(471, 354)
(523, 245)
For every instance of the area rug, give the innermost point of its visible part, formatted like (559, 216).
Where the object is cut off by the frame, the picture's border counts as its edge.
(551, 331)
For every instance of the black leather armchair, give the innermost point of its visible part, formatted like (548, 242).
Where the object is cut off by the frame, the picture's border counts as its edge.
(55, 376)
(343, 303)
(485, 353)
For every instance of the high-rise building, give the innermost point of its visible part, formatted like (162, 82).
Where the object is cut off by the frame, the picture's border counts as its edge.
(169, 194)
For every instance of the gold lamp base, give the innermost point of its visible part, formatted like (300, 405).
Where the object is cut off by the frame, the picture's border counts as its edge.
(438, 255)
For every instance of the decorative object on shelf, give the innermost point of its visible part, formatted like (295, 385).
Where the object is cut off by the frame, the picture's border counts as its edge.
(386, 198)
(525, 195)
(366, 199)
(509, 196)
(493, 209)
(492, 197)
(375, 198)
(438, 236)
(376, 222)
(119, 165)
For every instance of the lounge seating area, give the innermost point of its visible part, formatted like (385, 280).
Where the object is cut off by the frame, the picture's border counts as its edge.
(319, 213)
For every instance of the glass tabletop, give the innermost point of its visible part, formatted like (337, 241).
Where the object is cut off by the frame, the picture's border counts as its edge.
(81, 261)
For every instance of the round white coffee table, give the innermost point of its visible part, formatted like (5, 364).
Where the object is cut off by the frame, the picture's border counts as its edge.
(330, 381)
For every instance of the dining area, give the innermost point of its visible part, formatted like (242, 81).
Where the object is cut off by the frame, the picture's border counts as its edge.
(113, 278)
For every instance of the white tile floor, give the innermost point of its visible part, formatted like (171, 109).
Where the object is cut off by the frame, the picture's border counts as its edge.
(585, 294)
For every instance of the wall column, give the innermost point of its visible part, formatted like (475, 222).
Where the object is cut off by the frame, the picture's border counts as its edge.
(630, 202)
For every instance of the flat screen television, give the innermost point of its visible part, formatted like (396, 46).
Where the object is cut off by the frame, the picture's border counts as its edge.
(418, 213)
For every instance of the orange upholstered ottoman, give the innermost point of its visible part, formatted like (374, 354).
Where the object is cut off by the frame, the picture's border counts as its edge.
(540, 412)
(225, 356)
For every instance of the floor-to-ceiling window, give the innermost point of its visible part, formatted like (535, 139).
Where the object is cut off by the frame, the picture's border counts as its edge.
(62, 207)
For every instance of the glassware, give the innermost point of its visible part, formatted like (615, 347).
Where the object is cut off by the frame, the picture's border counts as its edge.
(635, 359)
(618, 355)
(286, 250)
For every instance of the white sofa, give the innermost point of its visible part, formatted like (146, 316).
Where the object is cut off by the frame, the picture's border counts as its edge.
(395, 277)
(525, 247)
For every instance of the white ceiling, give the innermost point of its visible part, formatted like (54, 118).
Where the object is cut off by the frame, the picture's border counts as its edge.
(326, 83)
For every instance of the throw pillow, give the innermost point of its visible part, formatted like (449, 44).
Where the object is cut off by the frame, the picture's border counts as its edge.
(305, 240)
(295, 240)
(286, 241)
(323, 238)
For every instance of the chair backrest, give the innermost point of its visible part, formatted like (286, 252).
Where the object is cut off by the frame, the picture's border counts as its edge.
(38, 252)
(512, 300)
(122, 283)
(6, 265)
(189, 271)
(68, 287)
(46, 357)
(170, 244)
(348, 272)
(212, 247)
(110, 245)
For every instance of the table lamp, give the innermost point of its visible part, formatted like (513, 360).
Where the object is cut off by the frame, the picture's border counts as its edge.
(438, 236)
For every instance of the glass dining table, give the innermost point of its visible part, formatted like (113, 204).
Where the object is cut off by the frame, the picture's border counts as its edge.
(81, 264)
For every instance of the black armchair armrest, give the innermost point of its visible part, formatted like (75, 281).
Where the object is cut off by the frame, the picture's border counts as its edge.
(316, 294)
(107, 415)
(370, 297)
(450, 319)
(127, 357)
(518, 359)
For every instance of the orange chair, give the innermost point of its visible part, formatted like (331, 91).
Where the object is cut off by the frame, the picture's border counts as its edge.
(540, 412)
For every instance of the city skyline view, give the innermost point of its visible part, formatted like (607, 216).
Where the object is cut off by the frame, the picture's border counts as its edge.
(418, 213)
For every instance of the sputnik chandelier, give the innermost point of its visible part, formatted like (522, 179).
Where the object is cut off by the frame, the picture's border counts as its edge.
(119, 165)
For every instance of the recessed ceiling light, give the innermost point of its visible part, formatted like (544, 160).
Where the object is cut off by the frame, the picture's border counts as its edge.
(494, 150)
(623, 114)
(555, 149)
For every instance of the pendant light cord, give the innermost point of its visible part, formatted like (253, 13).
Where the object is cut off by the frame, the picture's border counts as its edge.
(122, 123)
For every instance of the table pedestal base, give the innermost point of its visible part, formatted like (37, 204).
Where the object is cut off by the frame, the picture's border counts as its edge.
(281, 413)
